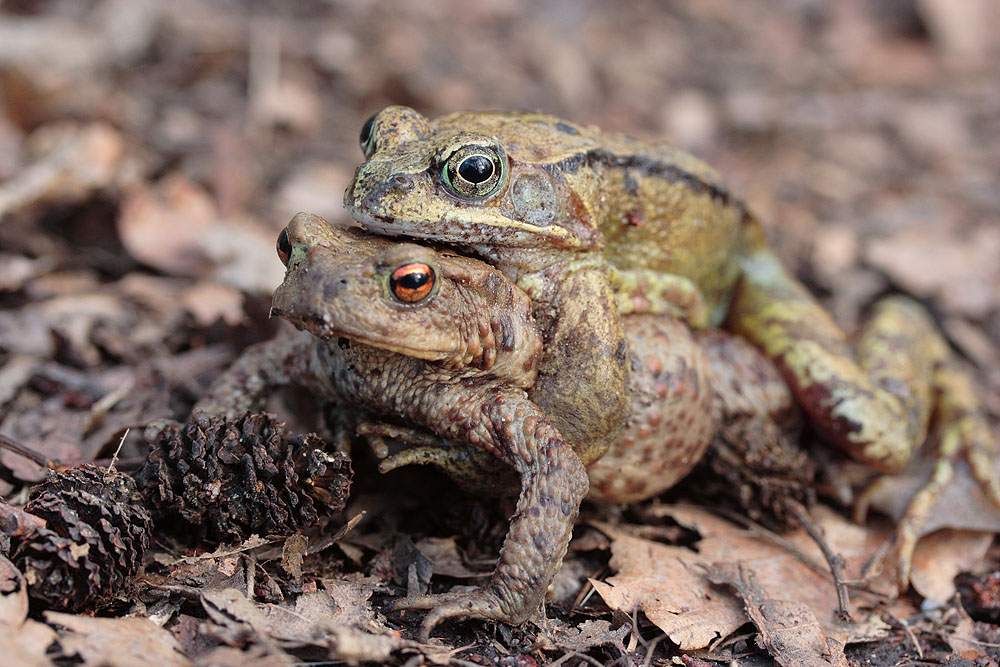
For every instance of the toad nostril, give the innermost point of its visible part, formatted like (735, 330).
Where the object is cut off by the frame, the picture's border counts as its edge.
(402, 183)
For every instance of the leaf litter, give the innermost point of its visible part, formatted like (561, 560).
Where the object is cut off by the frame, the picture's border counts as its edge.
(151, 151)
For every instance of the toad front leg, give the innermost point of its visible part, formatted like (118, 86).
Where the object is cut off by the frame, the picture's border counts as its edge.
(873, 399)
(553, 483)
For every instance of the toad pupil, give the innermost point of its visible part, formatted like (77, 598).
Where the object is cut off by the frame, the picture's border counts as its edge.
(476, 168)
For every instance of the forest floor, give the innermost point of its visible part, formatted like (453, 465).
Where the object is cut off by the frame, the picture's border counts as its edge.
(150, 152)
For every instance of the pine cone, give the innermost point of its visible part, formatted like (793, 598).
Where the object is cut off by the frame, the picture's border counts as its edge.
(230, 479)
(755, 464)
(96, 532)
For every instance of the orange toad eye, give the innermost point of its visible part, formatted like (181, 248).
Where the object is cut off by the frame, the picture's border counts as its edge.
(411, 283)
(284, 247)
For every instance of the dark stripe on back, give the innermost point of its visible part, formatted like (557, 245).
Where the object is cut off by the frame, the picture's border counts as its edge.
(648, 167)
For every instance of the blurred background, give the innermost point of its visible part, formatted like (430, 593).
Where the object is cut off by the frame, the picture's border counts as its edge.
(150, 151)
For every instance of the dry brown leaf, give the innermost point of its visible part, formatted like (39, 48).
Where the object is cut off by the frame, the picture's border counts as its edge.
(338, 619)
(235, 617)
(13, 595)
(176, 227)
(116, 642)
(668, 583)
(211, 302)
(582, 637)
(314, 187)
(788, 630)
(71, 161)
(962, 30)
(82, 413)
(14, 374)
(672, 596)
(961, 504)
(164, 226)
(929, 260)
(352, 602)
(17, 270)
(250, 656)
(941, 556)
(292, 554)
(341, 604)
(31, 330)
(443, 552)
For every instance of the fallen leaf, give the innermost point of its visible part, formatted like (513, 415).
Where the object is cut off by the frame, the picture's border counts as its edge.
(941, 556)
(256, 655)
(787, 629)
(116, 642)
(292, 554)
(164, 226)
(444, 554)
(211, 302)
(13, 595)
(23, 642)
(308, 187)
(352, 602)
(928, 260)
(583, 637)
(668, 584)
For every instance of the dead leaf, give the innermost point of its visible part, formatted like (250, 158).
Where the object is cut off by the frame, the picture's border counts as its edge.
(22, 640)
(671, 594)
(251, 656)
(16, 270)
(116, 642)
(962, 29)
(307, 188)
(164, 226)
(328, 619)
(352, 602)
(941, 556)
(292, 554)
(176, 227)
(210, 302)
(928, 260)
(667, 583)
(13, 595)
(71, 161)
(444, 554)
(583, 637)
(81, 413)
(787, 629)
(13, 375)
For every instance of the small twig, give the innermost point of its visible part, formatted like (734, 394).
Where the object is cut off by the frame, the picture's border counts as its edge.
(39, 459)
(764, 533)
(15, 522)
(573, 654)
(27, 452)
(130, 463)
(835, 562)
(336, 537)
(114, 457)
(913, 638)
(835, 566)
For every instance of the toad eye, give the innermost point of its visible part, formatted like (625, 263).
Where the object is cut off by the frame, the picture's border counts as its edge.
(475, 171)
(412, 283)
(284, 247)
(368, 137)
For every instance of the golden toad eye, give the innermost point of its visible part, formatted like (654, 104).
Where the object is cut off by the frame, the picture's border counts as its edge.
(368, 137)
(475, 171)
(412, 283)
(284, 247)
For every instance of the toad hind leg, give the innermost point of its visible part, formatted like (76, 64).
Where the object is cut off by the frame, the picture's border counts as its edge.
(873, 399)
(964, 431)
